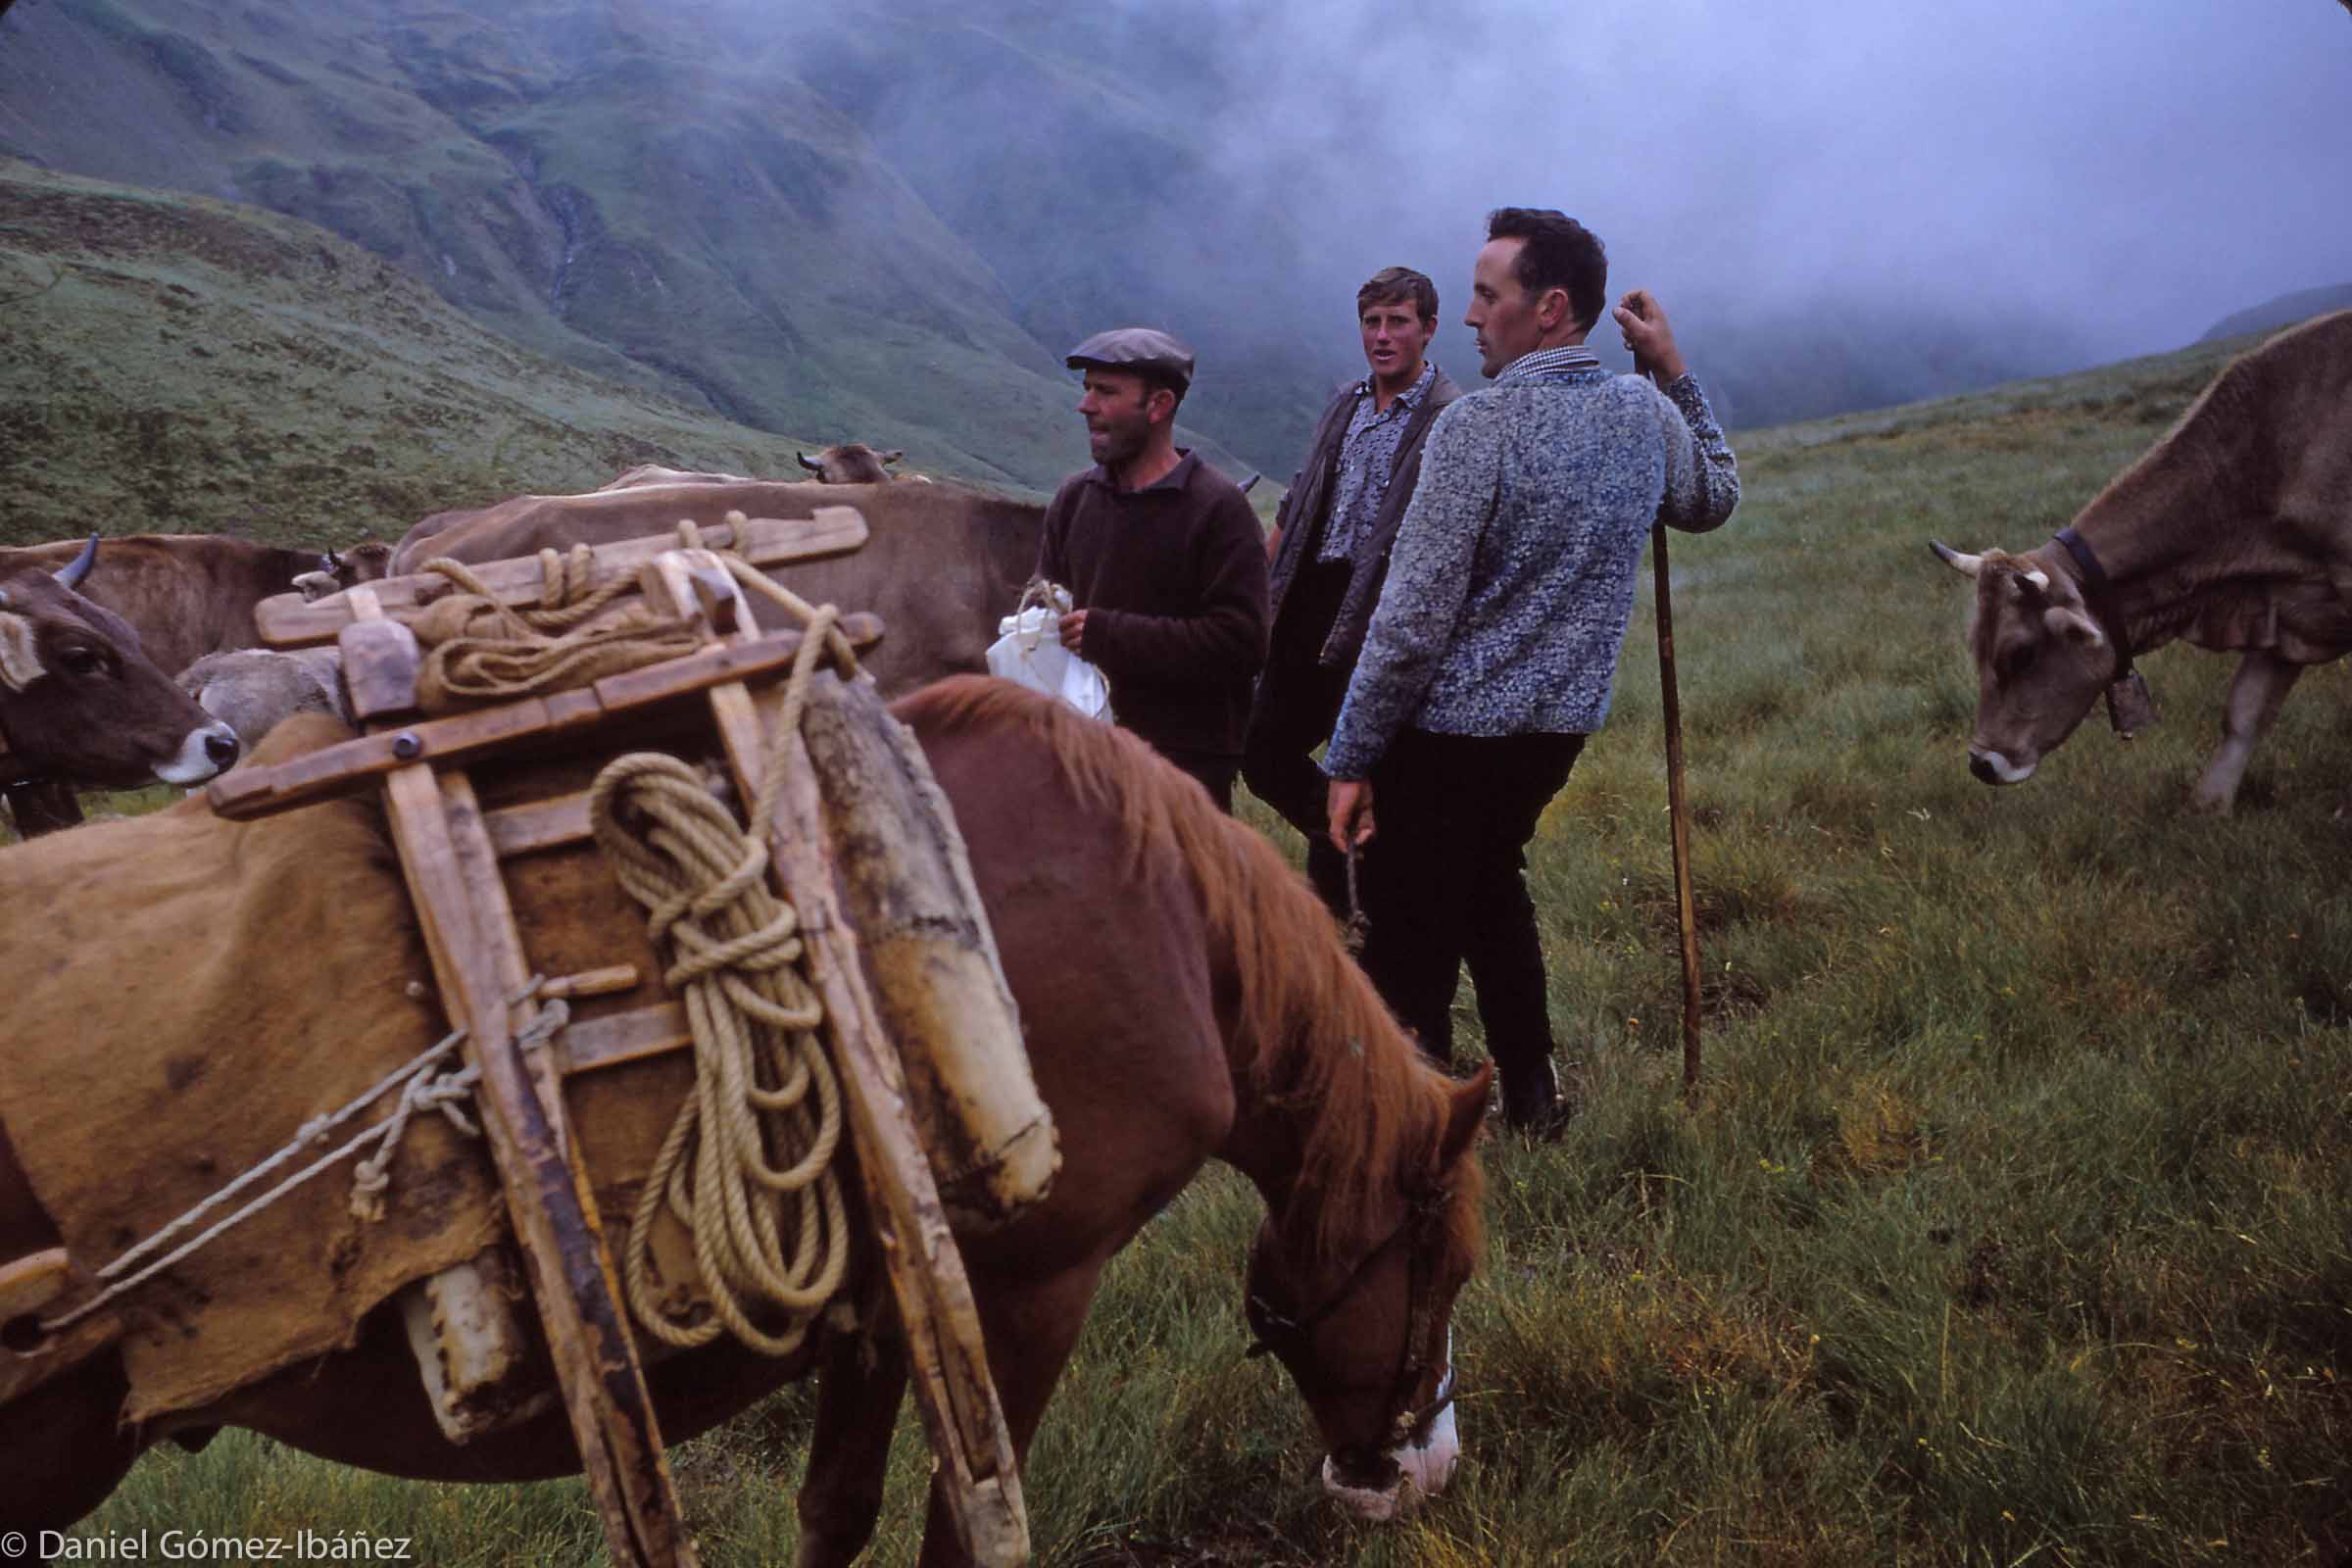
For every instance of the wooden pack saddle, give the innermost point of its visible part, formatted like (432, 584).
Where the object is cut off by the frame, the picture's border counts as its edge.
(489, 809)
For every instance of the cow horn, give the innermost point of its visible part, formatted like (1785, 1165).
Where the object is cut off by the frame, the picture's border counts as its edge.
(1967, 566)
(80, 568)
(2039, 579)
(812, 467)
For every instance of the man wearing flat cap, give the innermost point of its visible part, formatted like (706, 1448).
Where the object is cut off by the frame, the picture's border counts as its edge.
(1164, 561)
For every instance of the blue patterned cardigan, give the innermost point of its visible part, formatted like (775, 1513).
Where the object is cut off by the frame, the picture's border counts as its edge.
(1512, 580)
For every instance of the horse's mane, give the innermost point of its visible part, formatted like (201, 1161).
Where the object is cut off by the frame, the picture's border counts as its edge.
(1316, 1036)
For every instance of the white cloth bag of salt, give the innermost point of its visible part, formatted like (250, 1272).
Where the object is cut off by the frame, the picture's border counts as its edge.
(1028, 651)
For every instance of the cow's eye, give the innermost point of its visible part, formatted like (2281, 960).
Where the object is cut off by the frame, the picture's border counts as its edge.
(2017, 660)
(81, 660)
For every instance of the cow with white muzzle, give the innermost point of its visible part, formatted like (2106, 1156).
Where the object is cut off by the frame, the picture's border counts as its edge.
(2233, 532)
(80, 702)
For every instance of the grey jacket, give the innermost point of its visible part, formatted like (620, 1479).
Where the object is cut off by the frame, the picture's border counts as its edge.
(1306, 511)
(1513, 577)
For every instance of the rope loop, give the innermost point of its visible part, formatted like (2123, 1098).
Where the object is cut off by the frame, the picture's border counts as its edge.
(748, 1166)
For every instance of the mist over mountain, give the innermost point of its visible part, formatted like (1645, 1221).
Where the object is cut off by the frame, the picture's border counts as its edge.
(888, 220)
(2283, 312)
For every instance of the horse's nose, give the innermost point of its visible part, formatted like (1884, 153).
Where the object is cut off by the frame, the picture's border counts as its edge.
(1374, 1498)
(220, 747)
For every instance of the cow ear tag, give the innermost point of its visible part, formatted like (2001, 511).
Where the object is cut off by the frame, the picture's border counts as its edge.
(2131, 706)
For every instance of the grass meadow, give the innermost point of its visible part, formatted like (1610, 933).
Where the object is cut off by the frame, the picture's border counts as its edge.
(2009, 1225)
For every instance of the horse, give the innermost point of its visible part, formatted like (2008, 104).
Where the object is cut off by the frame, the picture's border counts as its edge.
(1184, 998)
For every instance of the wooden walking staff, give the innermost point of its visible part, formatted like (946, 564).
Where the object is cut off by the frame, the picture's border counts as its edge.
(1676, 808)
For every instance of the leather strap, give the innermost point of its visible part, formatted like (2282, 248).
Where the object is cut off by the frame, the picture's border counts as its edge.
(2099, 593)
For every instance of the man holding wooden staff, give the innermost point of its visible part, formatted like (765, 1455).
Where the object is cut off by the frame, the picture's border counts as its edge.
(1494, 650)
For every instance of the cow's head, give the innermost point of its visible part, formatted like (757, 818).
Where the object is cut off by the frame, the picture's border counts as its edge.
(79, 702)
(339, 570)
(850, 462)
(252, 690)
(2042, 662)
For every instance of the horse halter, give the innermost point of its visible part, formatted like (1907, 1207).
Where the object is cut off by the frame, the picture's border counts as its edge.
(1423, 1224)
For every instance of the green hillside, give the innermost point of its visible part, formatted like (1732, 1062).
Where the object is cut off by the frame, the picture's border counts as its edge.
(175, 363)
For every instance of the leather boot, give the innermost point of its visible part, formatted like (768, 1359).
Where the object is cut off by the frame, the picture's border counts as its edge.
(1532, 1102)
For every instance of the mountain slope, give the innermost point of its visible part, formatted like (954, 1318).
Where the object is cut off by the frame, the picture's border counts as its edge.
(2282, 311)
(175, 363)
(658, 202)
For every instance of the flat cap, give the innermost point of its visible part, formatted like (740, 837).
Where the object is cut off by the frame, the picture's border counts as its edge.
(1142, 349)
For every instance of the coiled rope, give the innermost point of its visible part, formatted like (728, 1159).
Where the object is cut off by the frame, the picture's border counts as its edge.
(748, 1166)
(477, 649)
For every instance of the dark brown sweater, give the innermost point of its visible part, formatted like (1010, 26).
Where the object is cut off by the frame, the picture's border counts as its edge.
(1174, 575)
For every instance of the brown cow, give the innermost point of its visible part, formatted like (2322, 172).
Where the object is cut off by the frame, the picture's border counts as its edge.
(2233, 532)
(192, 593)
(940, 568)
(80, 701)
(850, 462)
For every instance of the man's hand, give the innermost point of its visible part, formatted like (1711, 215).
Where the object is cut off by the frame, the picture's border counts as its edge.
(1073, 627)
(1350, 810)
(1647, 337)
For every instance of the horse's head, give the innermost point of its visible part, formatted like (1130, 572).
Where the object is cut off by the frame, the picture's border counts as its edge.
(1366, 1337)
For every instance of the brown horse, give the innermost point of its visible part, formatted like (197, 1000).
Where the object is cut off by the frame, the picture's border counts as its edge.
(1184, 995)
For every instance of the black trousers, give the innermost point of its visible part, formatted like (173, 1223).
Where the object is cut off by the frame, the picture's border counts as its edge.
(1445, 882)
(1216, 773)
(1297, 705)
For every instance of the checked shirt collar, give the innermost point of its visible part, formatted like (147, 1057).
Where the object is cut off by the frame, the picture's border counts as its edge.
(1566, 360)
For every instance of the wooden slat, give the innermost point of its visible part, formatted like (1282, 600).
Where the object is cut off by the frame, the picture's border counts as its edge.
(288, 620)
(621, 1037)
(380, 664)
(30, 1284)
(471, 939)
(538, 824)
(249, 792)
(609, 980)
(604, 1391)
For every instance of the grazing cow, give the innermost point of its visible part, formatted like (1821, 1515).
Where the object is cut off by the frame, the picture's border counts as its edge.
(80, 701)
(2233, 532)
(940, 568)
(850, 462)
(192, 593)
(253, 689)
